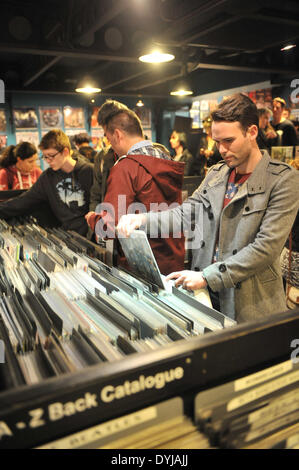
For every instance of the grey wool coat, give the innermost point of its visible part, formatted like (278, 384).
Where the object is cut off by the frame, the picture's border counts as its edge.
(251, 231)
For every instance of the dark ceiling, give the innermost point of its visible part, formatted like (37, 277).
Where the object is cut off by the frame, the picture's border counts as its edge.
(48, 45)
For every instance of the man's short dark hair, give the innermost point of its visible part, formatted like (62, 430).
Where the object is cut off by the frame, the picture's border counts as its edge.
(237, 108)
(82, 138)
(113, 114)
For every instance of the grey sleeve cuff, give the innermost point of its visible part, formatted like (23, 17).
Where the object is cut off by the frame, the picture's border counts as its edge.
(218, 277)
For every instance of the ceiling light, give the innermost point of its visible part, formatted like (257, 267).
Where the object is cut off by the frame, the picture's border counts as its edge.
(182, 88)
(288, 47)
(156, 57)
(140, 103)
(88, 89)
(88, 86)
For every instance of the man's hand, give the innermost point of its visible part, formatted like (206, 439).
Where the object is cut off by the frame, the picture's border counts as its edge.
(190, 280)
(88, 217)
(128, 223)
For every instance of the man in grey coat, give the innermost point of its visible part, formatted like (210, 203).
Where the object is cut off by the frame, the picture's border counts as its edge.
(245, 208)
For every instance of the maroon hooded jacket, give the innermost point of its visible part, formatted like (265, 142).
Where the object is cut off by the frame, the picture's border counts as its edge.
(145, 179)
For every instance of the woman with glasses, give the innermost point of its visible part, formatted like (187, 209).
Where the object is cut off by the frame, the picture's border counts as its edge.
(19, 169)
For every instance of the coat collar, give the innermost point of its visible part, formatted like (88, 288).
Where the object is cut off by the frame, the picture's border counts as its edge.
(256, 183)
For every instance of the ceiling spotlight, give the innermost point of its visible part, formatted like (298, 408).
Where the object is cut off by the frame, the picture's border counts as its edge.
(288, 47)
(140, 103)
(182, 88)
(87, 86)
(156, 57)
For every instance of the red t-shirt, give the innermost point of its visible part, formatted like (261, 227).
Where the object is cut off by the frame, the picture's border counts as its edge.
(11, 178)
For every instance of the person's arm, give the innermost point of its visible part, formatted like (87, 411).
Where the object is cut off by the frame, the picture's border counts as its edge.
(269, 240)
(24, 202)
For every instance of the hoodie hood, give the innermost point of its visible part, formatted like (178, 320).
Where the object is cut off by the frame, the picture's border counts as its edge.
(167, 174)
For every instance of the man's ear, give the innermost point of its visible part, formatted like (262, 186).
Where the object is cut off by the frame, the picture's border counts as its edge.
(66, 152)
(252, 132)
(118, 134)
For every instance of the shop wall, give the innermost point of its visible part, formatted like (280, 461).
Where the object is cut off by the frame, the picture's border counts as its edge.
(36, 100)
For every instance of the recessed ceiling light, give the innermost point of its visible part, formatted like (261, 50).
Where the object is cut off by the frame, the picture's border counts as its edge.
(288, 47)
(156, 57)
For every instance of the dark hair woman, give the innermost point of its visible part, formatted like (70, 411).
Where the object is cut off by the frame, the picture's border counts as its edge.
(18, 168)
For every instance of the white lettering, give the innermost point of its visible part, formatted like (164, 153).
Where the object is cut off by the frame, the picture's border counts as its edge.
(59, 410)
(35, 422)
(295, 354)
(294, 95)
(4, 430)
(158, 381)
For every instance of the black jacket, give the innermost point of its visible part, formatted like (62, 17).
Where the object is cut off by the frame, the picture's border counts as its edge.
(66, 193)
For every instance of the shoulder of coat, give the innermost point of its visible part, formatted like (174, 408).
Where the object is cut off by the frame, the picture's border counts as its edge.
(276, 167)
(218, 166)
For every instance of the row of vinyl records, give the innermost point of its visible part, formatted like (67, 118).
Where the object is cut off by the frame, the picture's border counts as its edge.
(63, 309)
(260, 410)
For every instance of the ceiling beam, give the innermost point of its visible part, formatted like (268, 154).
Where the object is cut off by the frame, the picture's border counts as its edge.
(41, 70)
(273, 19)
(119, 7)
(244, 68)
(68, 53)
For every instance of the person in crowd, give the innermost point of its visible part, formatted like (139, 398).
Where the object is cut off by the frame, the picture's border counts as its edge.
(267, 136)
(207, 154)
(18, 167)
(103, 163)
(65, 185)
(142, 174)
(244, 210)
(178, 142)
(283, 127)
(82, 141)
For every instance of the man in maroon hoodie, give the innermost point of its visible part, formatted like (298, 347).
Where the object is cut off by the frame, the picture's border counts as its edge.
(143, 178)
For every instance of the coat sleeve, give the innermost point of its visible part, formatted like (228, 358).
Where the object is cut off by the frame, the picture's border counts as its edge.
(26, 201)
(269, 240)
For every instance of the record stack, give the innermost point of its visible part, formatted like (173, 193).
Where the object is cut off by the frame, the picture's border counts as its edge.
(62, 310)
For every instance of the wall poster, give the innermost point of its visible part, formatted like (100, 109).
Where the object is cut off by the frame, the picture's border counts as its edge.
(25, 118)
(2, 121)
(73, 118)
(50, 117)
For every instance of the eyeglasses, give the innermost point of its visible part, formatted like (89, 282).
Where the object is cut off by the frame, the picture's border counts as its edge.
(51, 157)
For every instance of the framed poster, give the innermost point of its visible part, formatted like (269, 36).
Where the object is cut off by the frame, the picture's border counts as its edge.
(73, 118)
(145, 116)
(50, 117)
(94, 118)
(3, 141)
(31, 137)
(96, 138)
(2, 121)
(25, 118)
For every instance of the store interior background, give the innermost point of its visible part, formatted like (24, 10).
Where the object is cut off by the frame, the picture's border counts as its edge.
(221, 46)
